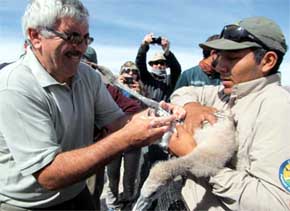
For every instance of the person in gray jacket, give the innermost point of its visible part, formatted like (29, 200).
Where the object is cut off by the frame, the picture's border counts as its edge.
(257, 178)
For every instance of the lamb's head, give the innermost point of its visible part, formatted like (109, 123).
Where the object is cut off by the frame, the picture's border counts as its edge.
(216, 145)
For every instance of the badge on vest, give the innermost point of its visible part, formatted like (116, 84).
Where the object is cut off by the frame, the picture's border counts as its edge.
(284, 174)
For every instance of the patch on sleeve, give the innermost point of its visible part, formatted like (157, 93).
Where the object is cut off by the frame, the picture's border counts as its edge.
(284, 174)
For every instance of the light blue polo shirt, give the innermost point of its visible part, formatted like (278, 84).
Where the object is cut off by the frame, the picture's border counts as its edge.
(39, 117)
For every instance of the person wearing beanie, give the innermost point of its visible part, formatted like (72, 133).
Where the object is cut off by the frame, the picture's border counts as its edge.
(257, 177)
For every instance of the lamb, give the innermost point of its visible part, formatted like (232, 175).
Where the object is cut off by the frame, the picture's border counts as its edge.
(216, 144)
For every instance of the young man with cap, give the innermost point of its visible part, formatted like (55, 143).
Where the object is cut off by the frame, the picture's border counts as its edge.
(204, 73)
(157, 84)
(257, 177)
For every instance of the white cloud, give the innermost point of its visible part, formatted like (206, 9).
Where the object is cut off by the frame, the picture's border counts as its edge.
(285, 72)
(10, 50)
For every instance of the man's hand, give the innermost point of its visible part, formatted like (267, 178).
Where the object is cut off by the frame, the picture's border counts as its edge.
(177, 111)
(165, 45)
(181, 142)
(135, 85)
(196, 114)
(148, 39)
(143, 129)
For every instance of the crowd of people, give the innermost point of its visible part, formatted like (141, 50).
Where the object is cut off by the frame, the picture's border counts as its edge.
(65, 127)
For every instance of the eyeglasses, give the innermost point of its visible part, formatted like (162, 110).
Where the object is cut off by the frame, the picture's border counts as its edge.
(161, 62)
(239, 34)
(73, 38)
(128, 70)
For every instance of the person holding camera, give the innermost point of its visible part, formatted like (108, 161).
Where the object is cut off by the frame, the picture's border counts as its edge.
(157, 84)
(130, 76)
(131, 157)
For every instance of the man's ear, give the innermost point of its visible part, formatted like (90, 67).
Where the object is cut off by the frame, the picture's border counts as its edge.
(213, 52)
(268, 62)
(35, 38)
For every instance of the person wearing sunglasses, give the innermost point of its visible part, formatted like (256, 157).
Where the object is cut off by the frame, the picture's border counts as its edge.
(130, 76)
(158, 85)
(131, 157)
(257, 177)
(50, 103)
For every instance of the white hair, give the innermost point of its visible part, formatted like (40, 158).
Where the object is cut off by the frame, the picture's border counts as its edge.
(40, 13)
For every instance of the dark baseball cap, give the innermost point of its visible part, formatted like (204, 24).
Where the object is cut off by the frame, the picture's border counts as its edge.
(248, 33)
(91, 55)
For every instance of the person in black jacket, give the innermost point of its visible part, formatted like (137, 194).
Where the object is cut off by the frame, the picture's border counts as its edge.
(157, 84)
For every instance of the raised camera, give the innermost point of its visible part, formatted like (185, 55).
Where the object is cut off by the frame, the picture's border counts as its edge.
(128, 80)
(156, 40)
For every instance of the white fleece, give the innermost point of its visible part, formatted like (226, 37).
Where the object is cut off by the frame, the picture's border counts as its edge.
(215, 146)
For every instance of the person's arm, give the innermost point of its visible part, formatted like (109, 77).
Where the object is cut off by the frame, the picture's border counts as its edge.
(141, 58)
(256, 185)
(175, 68)
(196, 113)
(128, 105)
(171, 62)
(73, 166)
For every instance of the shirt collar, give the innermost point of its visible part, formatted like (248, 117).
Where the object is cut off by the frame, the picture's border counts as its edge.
(41, 75)
(243, 89)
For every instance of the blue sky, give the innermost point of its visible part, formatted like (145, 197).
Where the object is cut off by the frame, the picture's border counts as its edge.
(119, 26)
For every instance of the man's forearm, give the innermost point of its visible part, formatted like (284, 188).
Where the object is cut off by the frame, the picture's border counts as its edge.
(70, 167)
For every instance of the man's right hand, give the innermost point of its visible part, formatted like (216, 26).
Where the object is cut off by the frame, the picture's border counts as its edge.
(143, 129)
(196, 114)
(148, 38)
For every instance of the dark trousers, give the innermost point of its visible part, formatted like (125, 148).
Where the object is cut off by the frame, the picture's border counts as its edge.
(131, 166)
(154, 154)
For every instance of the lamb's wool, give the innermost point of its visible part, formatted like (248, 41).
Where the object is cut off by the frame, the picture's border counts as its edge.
(215, 146)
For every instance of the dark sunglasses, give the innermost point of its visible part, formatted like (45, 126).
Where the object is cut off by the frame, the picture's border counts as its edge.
(73, 38)
(161, 62)
(128, 70)
(239, 34)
